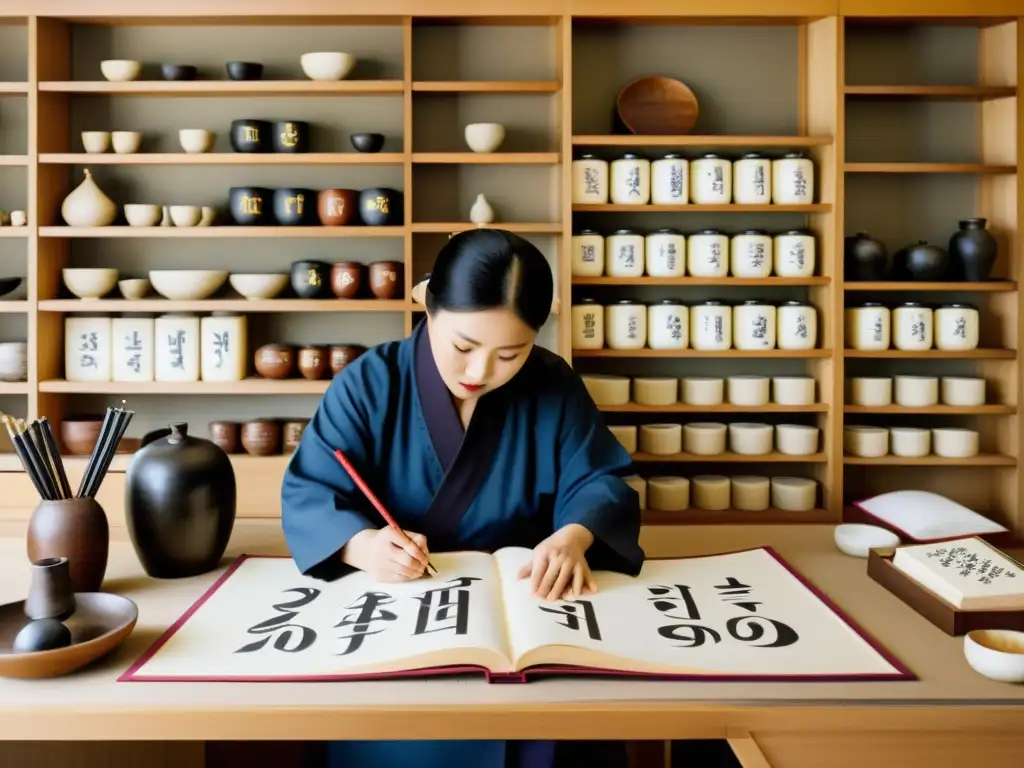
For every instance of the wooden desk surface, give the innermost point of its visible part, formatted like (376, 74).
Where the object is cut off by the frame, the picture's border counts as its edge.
(91, 705)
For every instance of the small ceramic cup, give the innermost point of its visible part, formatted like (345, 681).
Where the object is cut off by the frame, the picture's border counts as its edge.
(96, 142)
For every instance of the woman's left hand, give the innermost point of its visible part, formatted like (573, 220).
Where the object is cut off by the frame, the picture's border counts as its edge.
(559, 567)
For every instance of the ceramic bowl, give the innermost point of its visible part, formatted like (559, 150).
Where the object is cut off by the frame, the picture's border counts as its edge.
(196, 141)
(80, 433)
(327, 65)
(177, 72)
(187, 284)
(290, 136)
(244, 70)
(142, 214)
(89, 283)
(8, 284)
(96, 142)
(186, 215)
(134, 288)
(259, 286)
(126, 142)
(208, 217)
(248, 135)
(485, 137)
(120, 70)
(367, 142)
(997, 654)
(857, 539)
(13, 361)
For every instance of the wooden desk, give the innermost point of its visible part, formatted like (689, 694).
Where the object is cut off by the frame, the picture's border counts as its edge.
(952, 716)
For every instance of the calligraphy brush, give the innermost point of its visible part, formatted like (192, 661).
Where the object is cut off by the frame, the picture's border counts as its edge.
(19, 448)
(374, 500)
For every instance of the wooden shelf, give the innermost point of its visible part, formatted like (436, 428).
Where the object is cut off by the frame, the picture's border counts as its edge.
(935, 354)
(487, 158)
(13, 306)
(723, 408)
(13, 160)
(933, 410)
(13, 88)
(975, 168)
(13, 231)
(732, 458)
(159, 305)
(712, 140)
(993, 286)
(696, 353)
(14, 388)
(221, 231)
(253, 386)
(937, 92)
(693, 208)
(734, 517)
(226, 158)
(223, 88)
(522, 228)
(486, 86)
(683, 282)
(981, 460)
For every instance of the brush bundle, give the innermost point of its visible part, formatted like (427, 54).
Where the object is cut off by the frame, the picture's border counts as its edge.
(37, 449)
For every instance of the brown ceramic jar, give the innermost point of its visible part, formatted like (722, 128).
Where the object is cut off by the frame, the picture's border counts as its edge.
(343, 354)
(347, 279)
(386, 279)
(337, 207)
(313, 362)
(275, 361)
(225, 435)
(261, 437)
(292, 433)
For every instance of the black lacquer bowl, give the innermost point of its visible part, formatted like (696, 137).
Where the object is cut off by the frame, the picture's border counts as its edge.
(177, 72)
(8, 284)
(248, 205)
(295, 207)
(380, 207)
(291, 136)
(251, 135)
(244, 70)
(367, 142)
(311, 279)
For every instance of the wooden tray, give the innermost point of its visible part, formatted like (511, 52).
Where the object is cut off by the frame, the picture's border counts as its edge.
(946, 617)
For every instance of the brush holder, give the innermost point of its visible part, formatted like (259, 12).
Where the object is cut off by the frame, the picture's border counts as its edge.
(76, 529)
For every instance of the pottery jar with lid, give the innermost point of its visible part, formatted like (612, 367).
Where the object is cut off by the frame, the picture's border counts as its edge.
(867, 327)
(132, 343)
(670, 182)
(710, 326)
(668, 325)
(795, 253)
(912, 326)
(176, 354)
(223, 347)
(793, 179)
(588, 254)
(752, 180)
(707, 254)
(957, 327)
(751, 254)
(711, 180)
(625, 324)
(590, 180)
(665, 253)
(87, 348)
(798, 325)
(624, 254)
(753, 325)
(587, 324)
(630, 180)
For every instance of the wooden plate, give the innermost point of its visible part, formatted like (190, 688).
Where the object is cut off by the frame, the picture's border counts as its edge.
(100, 623)
(658, 106)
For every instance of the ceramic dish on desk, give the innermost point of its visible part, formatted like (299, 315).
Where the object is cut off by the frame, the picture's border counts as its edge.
(858, 539)
(998, 654)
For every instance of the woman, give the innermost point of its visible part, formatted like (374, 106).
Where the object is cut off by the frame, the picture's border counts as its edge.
(473, 438)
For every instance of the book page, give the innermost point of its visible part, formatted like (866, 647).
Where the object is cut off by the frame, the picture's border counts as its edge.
(739, 614)
(268, 621)
(967, 573)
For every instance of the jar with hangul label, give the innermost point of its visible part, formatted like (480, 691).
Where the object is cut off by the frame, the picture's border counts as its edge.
(590, 180)
(668, 325)
(793, 180)
(711, 326)
(867, 327)
(752, 180)
(587, 324)
(794, 253)
(625, 324)
(588, 253)
(670, 181)
(624, 254)
(912, 326)
(707, 254)
(797, 323)
(957, 327)
(630, 180)
(751, 254)
(753, 325)
(711, 180)
(665, 253)
(131, 339)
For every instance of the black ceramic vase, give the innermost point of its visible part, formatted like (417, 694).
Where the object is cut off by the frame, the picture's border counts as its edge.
(380, 207)
(972, 251)
(921, 262)
(251, 136)
(295, 207)
(248, 205)
(865, 258)
(311, 279)
(180, 499)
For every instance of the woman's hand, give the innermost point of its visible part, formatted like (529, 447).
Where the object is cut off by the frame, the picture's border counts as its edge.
(559, 567)
(385, 555)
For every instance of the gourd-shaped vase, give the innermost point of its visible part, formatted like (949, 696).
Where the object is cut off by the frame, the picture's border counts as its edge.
(481, 213)
(87, 205)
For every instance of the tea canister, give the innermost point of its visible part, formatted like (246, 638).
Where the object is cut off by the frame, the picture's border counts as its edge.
(132, 348)
(957, 326)
(912, 326)
(665, 253)
(867, 327)
(668, 325)
(752, 180)
(624, 254)
(176, 351)
(707, 254)
(223, 347)
(793, 180)
(625, 325)
(587, 325)
(711, 180)
(87, 348)
(753, 325)
(630, 180)
(794, 253)
(710, 326)
(798, 325)
(670, 181)
(590, 180)
(587, 254)
(751, 254)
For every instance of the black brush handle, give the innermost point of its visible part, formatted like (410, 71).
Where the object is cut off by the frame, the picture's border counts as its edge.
(92, 466)
(121, 421)
(41, 455)
(19, 448)
(55, 457)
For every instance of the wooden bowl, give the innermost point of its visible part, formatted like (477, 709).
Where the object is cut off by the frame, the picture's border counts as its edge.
(79, 434)
(100, 623)
(658, 106)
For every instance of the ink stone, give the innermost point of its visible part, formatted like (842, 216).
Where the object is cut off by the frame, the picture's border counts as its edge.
(42, 635)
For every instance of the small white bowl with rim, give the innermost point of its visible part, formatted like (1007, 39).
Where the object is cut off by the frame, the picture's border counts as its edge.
(142, 214)
(196, 141)
(484, 137)
(998, 654)
(121, 70)
(88, 283)
(327, 65)
(96, 142)
(126, 142)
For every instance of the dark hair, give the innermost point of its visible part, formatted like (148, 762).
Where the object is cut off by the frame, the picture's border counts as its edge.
(483, 269)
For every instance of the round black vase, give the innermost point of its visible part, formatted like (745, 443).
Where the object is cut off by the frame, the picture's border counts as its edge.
(972, 251)
(180, 503)
(294, 207)
(251, 136)
(248, 205)
(921, 262)
(865, 258)
(380, 207)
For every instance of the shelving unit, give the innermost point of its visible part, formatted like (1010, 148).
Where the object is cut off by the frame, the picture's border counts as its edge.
(902, 160)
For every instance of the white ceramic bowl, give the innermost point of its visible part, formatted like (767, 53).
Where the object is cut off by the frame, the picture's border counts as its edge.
(996, 653)
(195, 141)
(259, 286)
(186, 215)
(187, 284)
(96, 142)
(134, 287)
(856, 539)
(126, 142)
(89, 283)
(120, 70)
(13, 361)
(327, 65)
(142, 214)
(485, 137)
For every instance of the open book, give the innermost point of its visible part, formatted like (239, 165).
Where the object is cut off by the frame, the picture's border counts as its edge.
(740, 615)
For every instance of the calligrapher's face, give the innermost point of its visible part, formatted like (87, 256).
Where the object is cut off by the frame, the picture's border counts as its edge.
(477, 352)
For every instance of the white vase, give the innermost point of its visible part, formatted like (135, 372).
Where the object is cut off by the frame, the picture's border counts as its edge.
(87, 206)
(481, 213)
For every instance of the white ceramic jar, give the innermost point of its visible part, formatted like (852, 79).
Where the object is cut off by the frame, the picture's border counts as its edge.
(701, 391)
(793, 180)
(748, 391)
(670, 181)
(751, 254)
(912, 326)
(590, 180)
(798, 325)
(132, 348)
(711, 180)
(793, 390)
(867, 327)
(177, 350)
(916, 391)
(752, 180)
(866, 442)
(962, 392)
(910, 442)
(223, 347)
(587, 325)
(630, 180)
(665, 253)
(87, 348)
(952, 443)
(668, 325)
(870, 391)
(796, 439)
(624, 254)
(707, 254)
(710, 326)
(957, 327)
(795, 253)
(625, 324)
(588, 254)
(753, 325)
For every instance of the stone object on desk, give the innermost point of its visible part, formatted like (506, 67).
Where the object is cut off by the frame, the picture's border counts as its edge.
(41, 635)
(51, 595)
(998, 654)
(858, 539)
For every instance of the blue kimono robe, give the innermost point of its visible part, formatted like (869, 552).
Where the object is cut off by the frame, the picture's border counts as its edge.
(536, 456)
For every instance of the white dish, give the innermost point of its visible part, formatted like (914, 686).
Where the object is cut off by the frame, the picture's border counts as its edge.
(120, 70)
(187, 284)
(327, 65)
(484, 137)
(998, 654)
(87, 283)
(858, 539)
